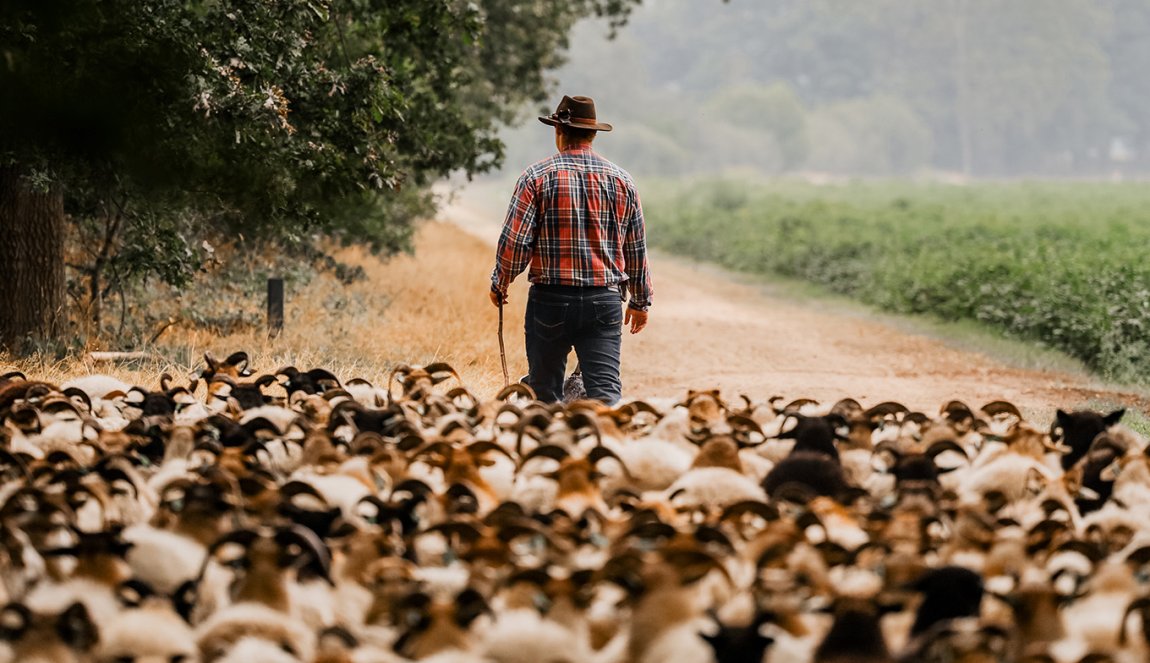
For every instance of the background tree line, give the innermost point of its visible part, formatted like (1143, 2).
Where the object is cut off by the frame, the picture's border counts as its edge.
(877, 87)
(138, 137)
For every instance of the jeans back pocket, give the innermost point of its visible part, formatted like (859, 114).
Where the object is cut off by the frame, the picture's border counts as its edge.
(548, 319)
(609, 315)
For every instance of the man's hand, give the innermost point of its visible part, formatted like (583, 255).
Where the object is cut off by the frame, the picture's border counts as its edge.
(637, 320)
(496, 298)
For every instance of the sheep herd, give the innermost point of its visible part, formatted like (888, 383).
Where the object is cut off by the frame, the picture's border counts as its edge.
(296, 516)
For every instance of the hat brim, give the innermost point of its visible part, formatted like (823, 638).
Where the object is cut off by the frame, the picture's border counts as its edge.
(597, 126)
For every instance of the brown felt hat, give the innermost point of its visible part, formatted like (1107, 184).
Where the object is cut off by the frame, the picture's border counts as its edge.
(576, 112)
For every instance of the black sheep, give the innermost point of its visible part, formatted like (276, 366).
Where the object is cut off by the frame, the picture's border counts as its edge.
(741, 644)
(949, 592)
(1079, 430)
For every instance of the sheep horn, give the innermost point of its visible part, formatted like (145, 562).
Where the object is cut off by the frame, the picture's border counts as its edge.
(238, 359)
(322, 374)
(945, 445)
(847, 406)
(487, 446)
(884, 409)
(799, 403)
(539, 576)
(453, 422)
(408, 442)
(465, 530)
(1088, 550)
(996, 408)
(623, 570)
(243, 537)
(957, 407)
(763, 510)
(441, 371)
(441, 447)
(1140, 556)
(635, 407)
(581, 421)
(888, 446)
(551, 451)
(402, 370)
(693, 565)
(9, 459)
(539, 421)
(651, 530)
(599, 453)
(311, 544)
(297, 487)
(1139, 604)
(709, 534)
(76, 392)
(745, 423)
(515, 388)
(413, 486)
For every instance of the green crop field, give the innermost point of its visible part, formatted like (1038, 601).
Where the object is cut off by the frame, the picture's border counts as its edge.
(1063, 264)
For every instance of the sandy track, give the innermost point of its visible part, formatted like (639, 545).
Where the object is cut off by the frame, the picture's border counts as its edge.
(709, 330)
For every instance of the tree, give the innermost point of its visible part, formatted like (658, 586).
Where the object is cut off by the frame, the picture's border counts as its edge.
(157, 120)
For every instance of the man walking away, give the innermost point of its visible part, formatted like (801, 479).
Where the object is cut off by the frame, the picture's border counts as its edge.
(576, 219)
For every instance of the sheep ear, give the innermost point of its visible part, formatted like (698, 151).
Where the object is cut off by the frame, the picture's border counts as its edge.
(470, 604)
(76, 629)
(184, 600)
(14, 620)
(1035, 482)
(1111, 472)
(132, 593)
(1114, 417)
(882, 461)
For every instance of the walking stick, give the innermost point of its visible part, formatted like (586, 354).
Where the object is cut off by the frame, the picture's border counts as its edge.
(502, 350)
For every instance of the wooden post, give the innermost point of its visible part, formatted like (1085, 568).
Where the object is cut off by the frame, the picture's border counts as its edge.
(275, 307)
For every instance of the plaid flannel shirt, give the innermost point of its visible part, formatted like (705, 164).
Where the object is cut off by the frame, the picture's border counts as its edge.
(577, 220)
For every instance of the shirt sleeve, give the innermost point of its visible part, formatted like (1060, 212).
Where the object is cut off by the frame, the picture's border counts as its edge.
(518, 237)
(635, 255)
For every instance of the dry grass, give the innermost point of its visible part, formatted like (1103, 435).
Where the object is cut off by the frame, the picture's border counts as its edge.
(407, 310)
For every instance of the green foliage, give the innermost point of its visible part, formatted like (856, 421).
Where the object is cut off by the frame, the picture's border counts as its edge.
(170, 122)
(1061, 265)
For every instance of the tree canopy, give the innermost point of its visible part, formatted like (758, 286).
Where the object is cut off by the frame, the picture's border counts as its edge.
(986, 87)
(163, 121)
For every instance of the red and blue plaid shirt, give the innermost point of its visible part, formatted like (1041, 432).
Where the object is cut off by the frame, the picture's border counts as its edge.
(576, 219)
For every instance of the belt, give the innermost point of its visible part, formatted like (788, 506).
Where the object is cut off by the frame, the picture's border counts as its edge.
(574, 289)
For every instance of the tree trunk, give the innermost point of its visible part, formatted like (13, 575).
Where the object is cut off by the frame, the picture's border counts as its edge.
(31, 261)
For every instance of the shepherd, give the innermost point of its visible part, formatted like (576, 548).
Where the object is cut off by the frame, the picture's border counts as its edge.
(576, 219)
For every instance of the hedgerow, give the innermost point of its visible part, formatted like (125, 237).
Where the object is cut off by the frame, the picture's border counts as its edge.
(1062, 264)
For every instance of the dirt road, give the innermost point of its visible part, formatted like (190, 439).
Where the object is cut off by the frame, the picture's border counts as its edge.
(708, 329)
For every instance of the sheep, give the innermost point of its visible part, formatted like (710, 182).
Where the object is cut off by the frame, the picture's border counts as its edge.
(148, 630)
(855, 636)
(249, 631)
(665, 618)
(1078, 430)
(66, 636)
(424, 522)
(435, 626)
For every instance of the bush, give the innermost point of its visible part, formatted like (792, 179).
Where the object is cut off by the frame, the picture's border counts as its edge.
(1059, 264)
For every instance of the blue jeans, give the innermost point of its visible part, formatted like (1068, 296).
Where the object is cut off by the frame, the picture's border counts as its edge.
(590, 320)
